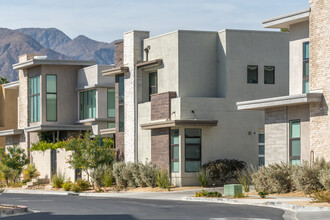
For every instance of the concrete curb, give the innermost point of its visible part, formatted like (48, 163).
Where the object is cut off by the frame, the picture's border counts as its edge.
(37, 192)
(12, 210)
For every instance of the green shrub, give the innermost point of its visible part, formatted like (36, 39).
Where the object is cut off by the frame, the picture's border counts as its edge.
(306, 177)
(118, 174)
(83, 184)
(107, 179)
(276, 178)
(147, 174)
(321, 195)
(76, 188)
(58, 180)
(204, 193)
(244, 178)
(30, 172)
(7, 174)
(203, 177)
(163, 180)
(263, 194)
(224, 170)
(102, 176)
(324, 178)
(67, 186)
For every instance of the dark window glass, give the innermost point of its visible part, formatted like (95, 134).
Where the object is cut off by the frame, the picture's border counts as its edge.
(51, 98)
(306, 67)
(152, 84)
(261, 150)
(252, 74)
(121, 118)
(269, 74)
(192, 150)
(294, 142)
(121, 89)
(111, 103)
(34, 94)
(87, 104)
(175, 151)
(121, 103)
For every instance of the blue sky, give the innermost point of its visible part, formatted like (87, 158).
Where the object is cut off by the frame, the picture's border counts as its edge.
(107, 20)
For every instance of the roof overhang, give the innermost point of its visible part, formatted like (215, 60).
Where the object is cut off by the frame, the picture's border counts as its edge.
(11, 85)
(96, 120)
(11, 132)
(37, 62)
(285, 21)
(107, 131)
(262, 104)
(150, 64)
(95, 86)
(115, 71)
(179, 123)
(58, 128)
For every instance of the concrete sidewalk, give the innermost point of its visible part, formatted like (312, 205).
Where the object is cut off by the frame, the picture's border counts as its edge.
(300, 212)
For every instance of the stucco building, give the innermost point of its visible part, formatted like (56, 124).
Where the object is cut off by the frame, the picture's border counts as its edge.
(58, 99)
(176, 96)
(297, 127)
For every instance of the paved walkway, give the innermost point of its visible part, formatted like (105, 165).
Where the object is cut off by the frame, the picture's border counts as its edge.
(302, 213)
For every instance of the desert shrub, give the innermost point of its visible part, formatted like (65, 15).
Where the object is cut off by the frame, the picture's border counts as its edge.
(30, 172)
(321, 196)
(306, 177)
(127, 173)
(7, 174)
(244, 178)
(263, 194)
(102, 176)
(16, 184)
(67, 185)
(224, 170)
(135, 170)
(276, 178)
(147, 174)
(163, 180)
(58, 180)
(204, 193)
(324, 178)
(76, 188)
(83, 184)
(118, 174)
(203, 177)
(107, 179)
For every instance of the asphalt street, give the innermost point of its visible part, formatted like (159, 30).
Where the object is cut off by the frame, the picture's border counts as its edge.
(83, 208)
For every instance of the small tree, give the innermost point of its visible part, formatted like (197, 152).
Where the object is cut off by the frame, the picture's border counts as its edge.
(3, 80)
(6, 173)
(15, 158)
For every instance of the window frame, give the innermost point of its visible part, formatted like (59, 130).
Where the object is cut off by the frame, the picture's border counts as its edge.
(53, 93)
(172, 151)
(113, 101)
(32, 119)
(121, 103)
(304, 61)
(185, 149)
(84, 108)
(247, 74)
(265, 75)
(293, 139)
(153, 86)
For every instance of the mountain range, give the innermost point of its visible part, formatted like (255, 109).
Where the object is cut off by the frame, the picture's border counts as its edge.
(51, 42)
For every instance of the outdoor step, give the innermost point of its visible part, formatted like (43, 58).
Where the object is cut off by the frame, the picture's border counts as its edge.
(49, 187)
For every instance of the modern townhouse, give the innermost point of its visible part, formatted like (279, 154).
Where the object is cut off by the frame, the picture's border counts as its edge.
(8, 108)
(297, 127)
(58, 99)
(176, 96)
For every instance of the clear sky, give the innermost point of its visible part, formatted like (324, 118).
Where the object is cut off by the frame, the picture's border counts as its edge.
(107, 20)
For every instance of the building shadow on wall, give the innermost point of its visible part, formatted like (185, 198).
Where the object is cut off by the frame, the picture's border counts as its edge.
(49, 216)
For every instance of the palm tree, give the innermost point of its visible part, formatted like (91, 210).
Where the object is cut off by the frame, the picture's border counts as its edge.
(3, 80)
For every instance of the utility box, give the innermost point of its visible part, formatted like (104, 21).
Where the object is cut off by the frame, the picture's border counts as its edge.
(232, 189)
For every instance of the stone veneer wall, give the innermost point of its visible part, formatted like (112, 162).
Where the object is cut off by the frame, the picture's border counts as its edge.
(161, 105)
(319, 28)
(119, 46)
(276, 131)
(133, 53)
(160, 148)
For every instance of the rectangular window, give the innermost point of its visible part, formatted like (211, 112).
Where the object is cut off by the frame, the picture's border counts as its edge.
(111, 103)
(34, 97)
(152, 84)
(261, 153)
(51, 98)
(175, 151)
(193, 150)
(111, 125)
(269, 74)
(252, 74)
(87, 104)
(121, 103)
(306, 67)
(294, 154)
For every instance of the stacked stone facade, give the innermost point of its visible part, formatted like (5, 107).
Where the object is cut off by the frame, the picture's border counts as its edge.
(320, 77)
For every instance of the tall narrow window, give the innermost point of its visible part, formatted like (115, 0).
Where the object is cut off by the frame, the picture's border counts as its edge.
(192, 150)
(294, 142)
(121, 103)
(34, 96)
(252, 74)
(87, 104)
(152, 84)
(51, 98)
(269, 74)
(111, 103)
(261, 145)
(175, 151)
(306, 67)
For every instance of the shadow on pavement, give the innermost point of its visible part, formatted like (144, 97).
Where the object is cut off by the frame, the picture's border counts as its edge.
(49, 216)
